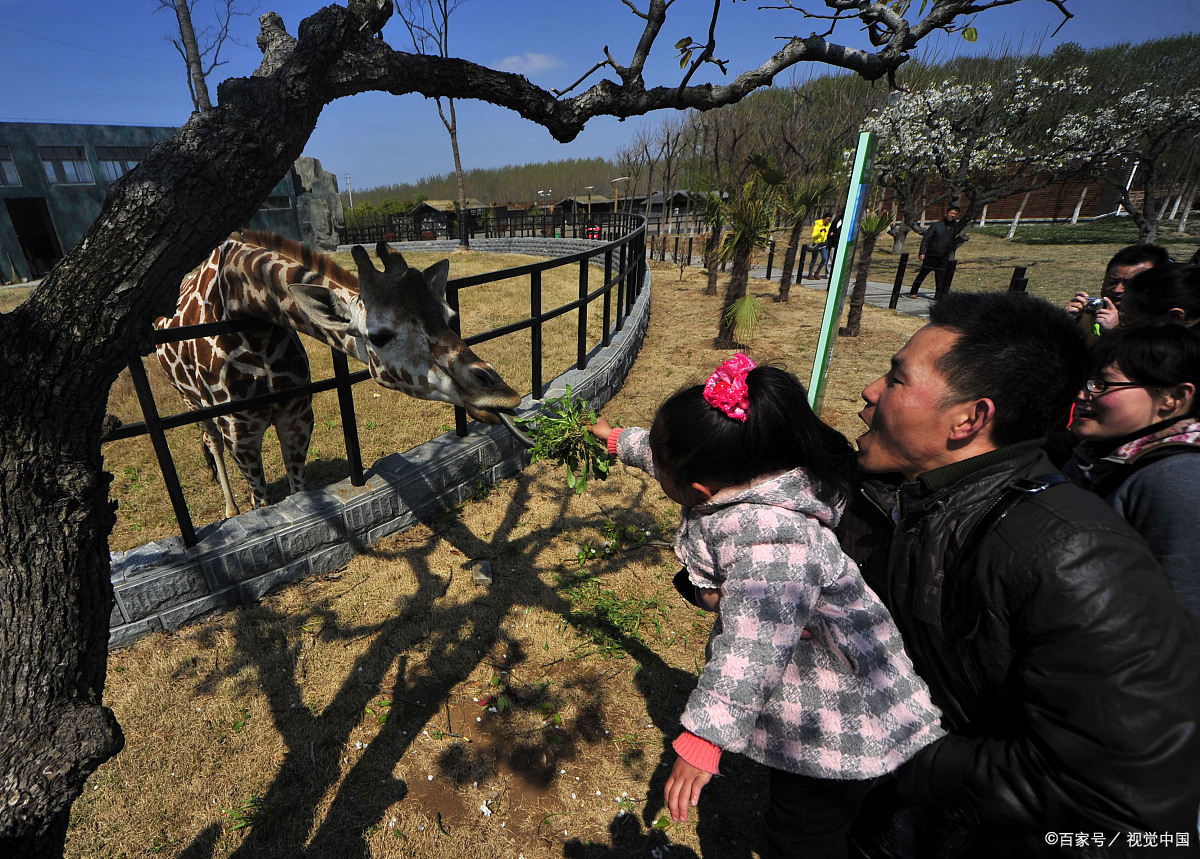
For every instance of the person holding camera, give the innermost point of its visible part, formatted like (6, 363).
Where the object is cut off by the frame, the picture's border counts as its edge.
(1098, 315)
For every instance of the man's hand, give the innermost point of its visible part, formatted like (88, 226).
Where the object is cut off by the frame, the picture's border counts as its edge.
(1078, 304)
(1108, 317)
(683, 789)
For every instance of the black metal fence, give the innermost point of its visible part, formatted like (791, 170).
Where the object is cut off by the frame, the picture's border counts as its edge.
(622, 259)
(498, 224)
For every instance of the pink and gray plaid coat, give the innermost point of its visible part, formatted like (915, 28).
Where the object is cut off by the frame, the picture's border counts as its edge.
(844, 703)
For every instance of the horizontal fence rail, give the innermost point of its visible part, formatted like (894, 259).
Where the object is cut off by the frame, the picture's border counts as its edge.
(562, 225)
(622, 258)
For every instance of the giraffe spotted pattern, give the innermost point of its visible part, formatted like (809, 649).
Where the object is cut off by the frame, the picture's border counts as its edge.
(395, 321)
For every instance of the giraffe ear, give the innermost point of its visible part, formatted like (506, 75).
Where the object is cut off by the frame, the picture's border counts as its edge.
(435, 277)
(321, 305)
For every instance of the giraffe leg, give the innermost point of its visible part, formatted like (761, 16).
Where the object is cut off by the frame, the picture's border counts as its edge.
(243, 432)
(294, 425)
(215, 444)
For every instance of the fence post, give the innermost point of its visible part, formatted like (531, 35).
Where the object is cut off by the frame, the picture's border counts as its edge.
(622, 274)
(345, 392)
(899, 284)
(158, 438)
(460, 414)
(689, 262)
(770, 257)
(947, 278)
(1019, 280)
(535, 332)
(800, 262)
(581, 356)
(607, 295)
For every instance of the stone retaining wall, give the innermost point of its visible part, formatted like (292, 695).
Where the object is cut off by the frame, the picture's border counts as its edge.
(164, 585)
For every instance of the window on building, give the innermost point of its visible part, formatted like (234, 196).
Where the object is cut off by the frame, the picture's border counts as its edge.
(66, 165)
(116, 161)
(276, 202)
(8, 170)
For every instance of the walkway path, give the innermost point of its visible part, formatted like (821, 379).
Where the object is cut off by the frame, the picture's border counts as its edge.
(878, 294)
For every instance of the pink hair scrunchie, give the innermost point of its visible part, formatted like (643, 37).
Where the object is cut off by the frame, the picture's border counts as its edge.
(726, 388)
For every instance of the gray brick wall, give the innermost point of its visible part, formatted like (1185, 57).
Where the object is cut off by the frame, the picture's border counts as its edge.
(164, 585)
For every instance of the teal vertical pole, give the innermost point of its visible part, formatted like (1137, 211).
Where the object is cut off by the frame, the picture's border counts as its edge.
(856, 196)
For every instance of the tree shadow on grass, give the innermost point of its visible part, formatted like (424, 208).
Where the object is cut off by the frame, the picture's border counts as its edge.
(291, 819)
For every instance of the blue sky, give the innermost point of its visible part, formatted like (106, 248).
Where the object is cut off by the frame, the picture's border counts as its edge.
(110, 63)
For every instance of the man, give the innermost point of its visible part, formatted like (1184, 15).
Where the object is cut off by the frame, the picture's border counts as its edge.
(939, 243)
(832, 236)
(1126, 263)
(1067, 671)
(820, 253)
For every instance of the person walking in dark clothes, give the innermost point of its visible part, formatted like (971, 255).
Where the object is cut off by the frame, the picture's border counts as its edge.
(939, 244)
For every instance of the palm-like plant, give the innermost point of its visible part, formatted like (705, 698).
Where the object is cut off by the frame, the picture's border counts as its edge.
(712, 212)
(749, 217)
(869, 228)
(796, 202)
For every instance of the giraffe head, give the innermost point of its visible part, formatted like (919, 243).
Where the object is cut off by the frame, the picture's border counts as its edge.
(403, 327)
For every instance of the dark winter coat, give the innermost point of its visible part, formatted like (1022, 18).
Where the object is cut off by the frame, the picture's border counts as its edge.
(941, 239)
(1153, 480)
(1069, 676)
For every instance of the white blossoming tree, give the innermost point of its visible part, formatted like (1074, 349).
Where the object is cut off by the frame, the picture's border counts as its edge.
(978, 142)
(1149, 134)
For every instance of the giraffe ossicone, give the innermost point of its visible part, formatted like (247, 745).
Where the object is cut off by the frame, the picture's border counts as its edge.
(396, 321)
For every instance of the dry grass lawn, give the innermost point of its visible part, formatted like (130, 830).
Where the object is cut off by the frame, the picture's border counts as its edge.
(395, 708)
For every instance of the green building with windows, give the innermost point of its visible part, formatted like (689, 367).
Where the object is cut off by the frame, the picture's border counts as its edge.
(54, 179)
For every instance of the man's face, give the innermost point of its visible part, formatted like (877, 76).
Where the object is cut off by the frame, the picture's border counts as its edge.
(952, 215)
(1117, 277)
(908, 424)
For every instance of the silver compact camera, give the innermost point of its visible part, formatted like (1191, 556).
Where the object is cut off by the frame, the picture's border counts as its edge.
(1093, 304)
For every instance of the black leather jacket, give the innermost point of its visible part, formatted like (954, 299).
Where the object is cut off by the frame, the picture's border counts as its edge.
(1070, 674)
(942, 238)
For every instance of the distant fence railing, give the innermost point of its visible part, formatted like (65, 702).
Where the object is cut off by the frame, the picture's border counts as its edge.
(565, 225)
(623, 260)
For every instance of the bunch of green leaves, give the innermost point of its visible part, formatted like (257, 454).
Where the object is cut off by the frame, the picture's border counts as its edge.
(560, 434)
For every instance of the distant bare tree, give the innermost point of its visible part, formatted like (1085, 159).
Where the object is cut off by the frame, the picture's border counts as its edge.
(428, 23)
(202, 53)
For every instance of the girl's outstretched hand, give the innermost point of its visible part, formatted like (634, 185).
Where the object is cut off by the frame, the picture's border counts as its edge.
(602, 429)
(683, 789)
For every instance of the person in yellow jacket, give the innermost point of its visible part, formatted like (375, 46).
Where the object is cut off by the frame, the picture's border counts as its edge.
(820, 252)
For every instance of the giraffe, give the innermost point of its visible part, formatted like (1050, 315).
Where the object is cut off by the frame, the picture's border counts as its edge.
(395, 321)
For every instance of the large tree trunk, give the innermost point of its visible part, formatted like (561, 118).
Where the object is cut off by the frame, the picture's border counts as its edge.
(62, 350)
(789, 262)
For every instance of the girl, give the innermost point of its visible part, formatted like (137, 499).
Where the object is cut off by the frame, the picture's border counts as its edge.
(1140, 441)
(806, 673)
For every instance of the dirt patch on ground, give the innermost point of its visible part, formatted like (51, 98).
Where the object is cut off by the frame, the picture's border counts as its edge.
(396, 708)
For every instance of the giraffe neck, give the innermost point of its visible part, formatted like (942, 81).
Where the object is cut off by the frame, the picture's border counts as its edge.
(255, 283)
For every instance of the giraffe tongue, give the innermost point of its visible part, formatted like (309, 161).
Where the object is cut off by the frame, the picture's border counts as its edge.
(507, 420)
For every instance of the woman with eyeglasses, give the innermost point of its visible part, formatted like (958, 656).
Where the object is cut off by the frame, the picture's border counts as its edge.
(1140, 442)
